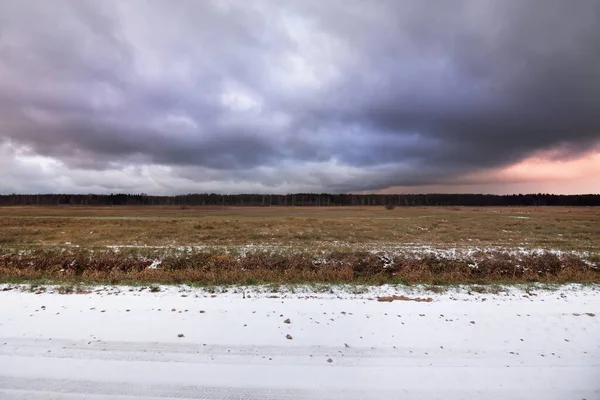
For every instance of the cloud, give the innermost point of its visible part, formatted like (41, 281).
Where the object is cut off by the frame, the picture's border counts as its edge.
(232, 96)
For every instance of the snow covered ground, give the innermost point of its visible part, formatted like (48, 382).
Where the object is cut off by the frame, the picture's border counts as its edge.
(343, 344)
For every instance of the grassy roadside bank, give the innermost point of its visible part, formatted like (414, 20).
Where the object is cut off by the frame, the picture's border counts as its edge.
(264, 267)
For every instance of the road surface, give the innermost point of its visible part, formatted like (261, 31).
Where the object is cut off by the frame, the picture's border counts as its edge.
(183, 343)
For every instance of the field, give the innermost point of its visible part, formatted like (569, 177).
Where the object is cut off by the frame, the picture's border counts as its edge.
(299, 303)
(248, 245)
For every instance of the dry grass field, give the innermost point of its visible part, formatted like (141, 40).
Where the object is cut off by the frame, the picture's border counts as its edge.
(208, 245)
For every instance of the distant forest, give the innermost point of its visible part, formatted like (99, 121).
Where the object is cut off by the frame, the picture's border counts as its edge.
(300, 199)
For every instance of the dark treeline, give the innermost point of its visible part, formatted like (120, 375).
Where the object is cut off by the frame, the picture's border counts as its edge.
(301, 199)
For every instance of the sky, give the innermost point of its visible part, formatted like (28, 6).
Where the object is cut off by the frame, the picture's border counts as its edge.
(281, 96)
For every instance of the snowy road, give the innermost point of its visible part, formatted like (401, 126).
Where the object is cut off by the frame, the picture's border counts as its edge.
(123, 344)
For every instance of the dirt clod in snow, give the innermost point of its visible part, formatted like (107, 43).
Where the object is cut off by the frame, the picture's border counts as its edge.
(405, 298)
(180, 335)
(173, 310)
(288, 337)
(287, 321)
(329, 360)
(473, 322)
(202, 311)
(590, 314)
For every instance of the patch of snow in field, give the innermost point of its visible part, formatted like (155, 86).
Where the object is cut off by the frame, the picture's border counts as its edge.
(454, 253)
(166, 247)
(155, 264)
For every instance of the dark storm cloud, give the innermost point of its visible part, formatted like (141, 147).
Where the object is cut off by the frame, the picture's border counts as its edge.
(336, 95)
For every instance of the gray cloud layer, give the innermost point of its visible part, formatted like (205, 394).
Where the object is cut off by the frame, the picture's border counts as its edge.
(294, 95)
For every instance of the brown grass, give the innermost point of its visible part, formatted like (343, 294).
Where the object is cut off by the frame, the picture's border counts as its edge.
(561, 228)
(308, 244)
(389, 299)
(206, 268)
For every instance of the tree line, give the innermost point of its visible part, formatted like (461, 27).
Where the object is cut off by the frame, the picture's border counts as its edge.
(300, 199)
